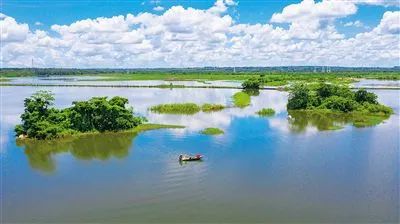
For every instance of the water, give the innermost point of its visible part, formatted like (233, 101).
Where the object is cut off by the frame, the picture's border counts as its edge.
(260, 170)
(88, 80)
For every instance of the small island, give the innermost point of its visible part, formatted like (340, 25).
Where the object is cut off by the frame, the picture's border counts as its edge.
(266, 112)
(98, 115)
(360, 108)
(241, 99)
(185, 108)
(212, 131)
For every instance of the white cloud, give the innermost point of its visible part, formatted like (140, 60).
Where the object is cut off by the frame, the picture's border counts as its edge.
(38, 23)
(158, 8)
(312, 20)
(378, 2)
(356, 23)
(390, 23)
(11, 31)
(185, 37)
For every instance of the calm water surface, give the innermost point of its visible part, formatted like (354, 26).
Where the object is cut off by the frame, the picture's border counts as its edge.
(260, 170)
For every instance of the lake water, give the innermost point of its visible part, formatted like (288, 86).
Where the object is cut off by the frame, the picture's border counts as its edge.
(260, 170)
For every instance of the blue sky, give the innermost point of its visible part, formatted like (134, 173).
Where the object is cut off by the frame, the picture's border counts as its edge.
(357, 17)
(49, 12)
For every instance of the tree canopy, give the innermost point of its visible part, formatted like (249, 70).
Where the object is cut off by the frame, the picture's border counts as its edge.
(41, 121)
(334, 98)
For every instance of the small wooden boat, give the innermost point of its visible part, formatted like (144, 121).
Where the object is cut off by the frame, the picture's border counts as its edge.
(190, 158)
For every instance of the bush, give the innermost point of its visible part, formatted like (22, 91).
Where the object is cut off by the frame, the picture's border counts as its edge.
(176, 108)
(339, 103)
(212, 107)
(375, 109)
(212, 131)
(362, 96)
(252, 83)
(298, 97)
(266, 112)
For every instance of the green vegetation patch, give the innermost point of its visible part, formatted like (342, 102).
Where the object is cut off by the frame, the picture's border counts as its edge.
(99, 114)
(265, 112)
(170, 86)
(212, 107)
(241, 99)
(335, 102)
(176, 108)
(212, 131)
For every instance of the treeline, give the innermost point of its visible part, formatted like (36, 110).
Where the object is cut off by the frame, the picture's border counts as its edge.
(42, 121)
(274, 72)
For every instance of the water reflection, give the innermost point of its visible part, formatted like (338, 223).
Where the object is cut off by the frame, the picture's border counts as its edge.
(300, 121)
(41, 154)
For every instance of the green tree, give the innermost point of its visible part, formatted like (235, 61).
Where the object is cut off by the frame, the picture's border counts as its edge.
(298, 97)
(252, 83)
(362, 96)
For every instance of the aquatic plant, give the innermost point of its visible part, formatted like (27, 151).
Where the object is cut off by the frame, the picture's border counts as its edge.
(241, 99)
(266, 112)
(212, 107)
(176, 108)
(212, 131)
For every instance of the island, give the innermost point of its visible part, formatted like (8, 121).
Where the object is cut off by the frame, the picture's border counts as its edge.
(337, 102)
(97, 115)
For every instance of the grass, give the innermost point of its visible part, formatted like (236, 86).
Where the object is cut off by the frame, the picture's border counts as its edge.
(212, 131)
(265, 112)
(148, 127)
(241, 99)
(185, 108)
(212, 107)
(136, 130)
(271, 78)
(176, 108)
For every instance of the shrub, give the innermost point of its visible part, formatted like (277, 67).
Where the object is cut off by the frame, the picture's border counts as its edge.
(212, 107)
(339, 103)
(252, 83)
(298, 97)
(176, 108)
(212, 131)
(266, 112)
(362, 95)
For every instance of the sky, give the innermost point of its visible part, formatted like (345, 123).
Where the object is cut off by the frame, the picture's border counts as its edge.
(198, 33)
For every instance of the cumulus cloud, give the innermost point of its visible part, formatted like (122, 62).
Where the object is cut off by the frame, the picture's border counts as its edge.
(356, 23)
(379, 2)
(185, 37)
(390, 23)
(11, 31)
(311, 20)
(158, 8)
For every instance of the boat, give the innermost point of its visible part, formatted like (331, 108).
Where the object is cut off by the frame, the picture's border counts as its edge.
(190, 158)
